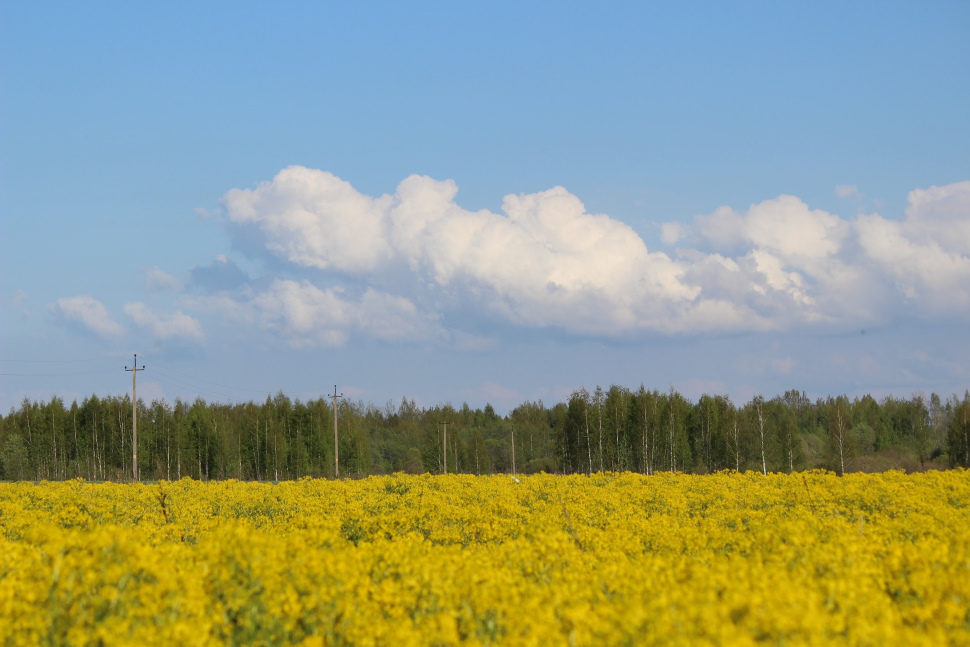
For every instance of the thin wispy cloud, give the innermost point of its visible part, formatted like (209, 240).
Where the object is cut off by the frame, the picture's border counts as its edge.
(157, 280)
(847, 191)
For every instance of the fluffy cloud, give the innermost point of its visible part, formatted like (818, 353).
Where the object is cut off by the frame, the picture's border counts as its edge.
(784, 227)
(792, 262)
(305, 315)
(927, 254)
(544, 261)
(940, 214)
(314, 218)
(860, 270)
(89, 313)
(164, 326)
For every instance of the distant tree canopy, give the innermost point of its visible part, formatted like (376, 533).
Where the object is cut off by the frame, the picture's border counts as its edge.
(613, 430)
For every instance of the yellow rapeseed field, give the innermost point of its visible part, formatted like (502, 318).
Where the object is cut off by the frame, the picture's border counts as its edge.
(611, 559)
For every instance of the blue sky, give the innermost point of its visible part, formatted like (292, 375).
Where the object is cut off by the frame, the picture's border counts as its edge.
(484, 202)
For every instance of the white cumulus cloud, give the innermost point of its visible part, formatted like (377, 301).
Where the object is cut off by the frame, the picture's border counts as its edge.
(315, 219)
(176, 325)
(927, 253)
(89, 313)
(795, 264)
(785, 227)
(544, 261)
(303, 314)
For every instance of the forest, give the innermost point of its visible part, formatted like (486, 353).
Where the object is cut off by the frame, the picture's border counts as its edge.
(617, 429)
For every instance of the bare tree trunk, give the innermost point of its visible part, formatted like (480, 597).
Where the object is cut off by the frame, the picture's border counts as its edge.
(207, 461)
(616, 420)
(840, 437)
(77, 454)
(966, 435)
(53, 440)
(30, 436)
(734, 435)
(709, 460)
(121, 428)
(791, 451)
(646, 445)
(599, 416)
(256, 449)
(94, 450)
(673, 459)
(178, 448)
(761, 431)
(100, 449)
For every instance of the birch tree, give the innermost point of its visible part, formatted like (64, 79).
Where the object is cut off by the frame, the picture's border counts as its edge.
(759, 407)
(839, 432)
(734, 435)
(598, 402)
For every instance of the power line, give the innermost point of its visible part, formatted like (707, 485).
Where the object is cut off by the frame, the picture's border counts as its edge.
(171, 381)
(93, 371)
(176, 381)
(178, 384)
(97, 372)
(54, 361)
(189, 384)
(199, 379)
(165, 374)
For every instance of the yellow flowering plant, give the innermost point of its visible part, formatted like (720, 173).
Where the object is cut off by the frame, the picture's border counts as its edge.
(613, 558)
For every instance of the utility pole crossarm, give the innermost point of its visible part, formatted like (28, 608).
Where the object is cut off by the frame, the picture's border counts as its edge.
(134, 416)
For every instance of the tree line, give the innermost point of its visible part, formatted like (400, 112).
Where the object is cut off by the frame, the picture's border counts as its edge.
(617, 429)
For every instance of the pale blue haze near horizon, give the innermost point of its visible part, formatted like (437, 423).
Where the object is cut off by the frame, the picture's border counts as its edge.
(484, 202)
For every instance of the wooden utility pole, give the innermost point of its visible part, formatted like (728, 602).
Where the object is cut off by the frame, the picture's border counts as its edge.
(513, 449)
(336, 443)
(445, 452)
(134, 416)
